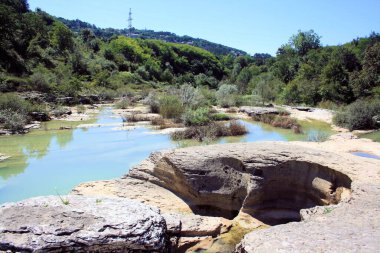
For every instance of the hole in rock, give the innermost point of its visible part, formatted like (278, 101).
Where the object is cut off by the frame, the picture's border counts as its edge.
(273, 194)
(289, 187)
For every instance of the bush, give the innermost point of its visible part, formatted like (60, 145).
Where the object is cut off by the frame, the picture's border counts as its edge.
(14, 103)
(358, 115)
(199, 117)
(122, 104)
(236, 129)
(191, 97)
(15, 122)
(220, 117)
(280, 121)
(170, 107)
(60, 110)
(226, 95)
(210, 131)
(152, 101)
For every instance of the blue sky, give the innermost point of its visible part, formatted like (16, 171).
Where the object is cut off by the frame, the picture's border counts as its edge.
(255, 26)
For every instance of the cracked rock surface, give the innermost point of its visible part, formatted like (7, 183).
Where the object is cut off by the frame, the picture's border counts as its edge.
(85, 224)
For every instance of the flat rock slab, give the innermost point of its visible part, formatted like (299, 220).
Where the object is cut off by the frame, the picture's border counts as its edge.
(85, 224)
(255, 111)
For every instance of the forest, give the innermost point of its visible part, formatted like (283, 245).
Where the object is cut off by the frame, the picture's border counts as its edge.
(39, 53)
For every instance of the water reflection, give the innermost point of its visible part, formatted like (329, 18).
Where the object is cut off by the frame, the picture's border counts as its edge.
(49, 159)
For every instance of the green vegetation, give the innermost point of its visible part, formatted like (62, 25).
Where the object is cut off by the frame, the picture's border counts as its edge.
(72, 62)
(198, 117)
(122, 104)
(15, 112)
(170, 107)
(64, 201)
(359, 115)
(281, 121)
(210, 132)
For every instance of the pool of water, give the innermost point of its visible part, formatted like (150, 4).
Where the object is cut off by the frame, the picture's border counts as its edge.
(51, 161)
(366, 155)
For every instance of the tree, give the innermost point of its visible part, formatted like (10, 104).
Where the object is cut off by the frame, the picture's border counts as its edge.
(304, 41)
(226, 95)
(62, 37)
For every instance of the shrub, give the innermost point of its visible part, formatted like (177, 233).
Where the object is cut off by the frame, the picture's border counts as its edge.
(152, 101)
(281, 121)
(210, 131)
(122, 104)
(163, 124)
(59, 111)
(358, 115)
(170, 107)
(13, 121)
(236, 128)
(226, 95)
(199, 133)
(199, 117)
(14, 103)
(191, 97)
(317, 136)
(220, 117)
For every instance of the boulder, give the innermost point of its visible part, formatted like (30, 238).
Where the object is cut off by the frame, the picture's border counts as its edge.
(39, 116)
(256, 111)
(82, 224)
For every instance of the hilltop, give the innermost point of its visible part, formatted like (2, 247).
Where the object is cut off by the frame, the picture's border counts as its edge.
(106, 33)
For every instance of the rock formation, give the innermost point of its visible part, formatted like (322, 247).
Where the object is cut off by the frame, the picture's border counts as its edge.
(81, 224)
(256, 111)
(312, 200)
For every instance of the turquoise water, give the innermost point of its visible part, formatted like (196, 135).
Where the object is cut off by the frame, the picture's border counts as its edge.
(51, 161)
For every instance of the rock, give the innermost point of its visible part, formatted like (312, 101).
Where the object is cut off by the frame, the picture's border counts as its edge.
(40, 116)
(85, 224)
(5, 132)
(3, 157)
(88, 99)
(376, 120)
(141, 190)
(255, 111)
(189, 225)
(271, 183)
(32, 125)
(61, 112)
(66, 100)
(303, 108)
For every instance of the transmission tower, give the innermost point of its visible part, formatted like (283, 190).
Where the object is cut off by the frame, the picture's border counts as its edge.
(130, 22)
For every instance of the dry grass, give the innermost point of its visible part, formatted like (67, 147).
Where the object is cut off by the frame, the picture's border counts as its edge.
(280, 121)
(164, 123)
(210, 132)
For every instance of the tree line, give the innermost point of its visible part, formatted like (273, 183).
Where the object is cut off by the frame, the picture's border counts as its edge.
(38, 52)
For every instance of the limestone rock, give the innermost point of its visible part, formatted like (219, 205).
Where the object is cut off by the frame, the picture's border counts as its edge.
(272, 183)
(85, 224)
(255, 111)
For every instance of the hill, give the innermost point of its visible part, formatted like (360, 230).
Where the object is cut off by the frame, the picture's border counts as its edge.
(77, 26)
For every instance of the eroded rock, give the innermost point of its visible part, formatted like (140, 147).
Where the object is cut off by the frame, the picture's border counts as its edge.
(84, 224)
(263, 183)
